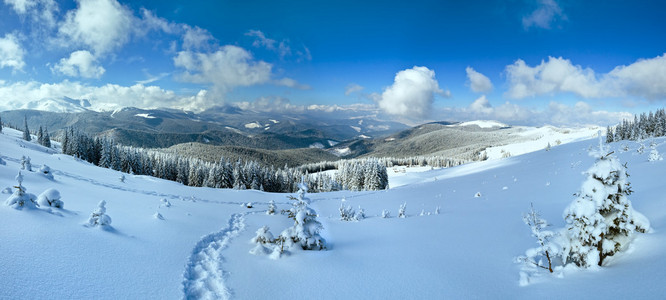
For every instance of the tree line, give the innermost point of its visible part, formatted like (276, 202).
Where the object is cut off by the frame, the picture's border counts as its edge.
(643, 126)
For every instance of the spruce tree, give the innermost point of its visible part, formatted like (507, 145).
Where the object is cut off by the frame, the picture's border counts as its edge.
(601, 220)
(40, 136)
(26, 131)
(47, 138)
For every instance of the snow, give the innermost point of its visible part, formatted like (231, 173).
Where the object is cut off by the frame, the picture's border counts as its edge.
(358, 129)
(147, 116)
(201, 247)
(483, 124)
(540, 138)
(253, 125)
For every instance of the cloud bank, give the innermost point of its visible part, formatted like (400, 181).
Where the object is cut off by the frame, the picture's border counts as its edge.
(644, 78)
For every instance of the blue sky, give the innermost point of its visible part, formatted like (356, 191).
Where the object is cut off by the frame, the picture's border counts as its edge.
(521, 62)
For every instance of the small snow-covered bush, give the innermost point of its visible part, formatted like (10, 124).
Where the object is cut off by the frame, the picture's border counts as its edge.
(46, 171)
(263, 241)
(402, 210)
(20, 199)
(2, 162)
(545, 249)
(346, 213)
(654, 155)
(477, 195)
(25, 164)
(437, 209)
(386, 214)
(50, 197)
(271, 208)
(360, 214)
(122, 178)
(158, 216)
(164, 202)
(99, 216)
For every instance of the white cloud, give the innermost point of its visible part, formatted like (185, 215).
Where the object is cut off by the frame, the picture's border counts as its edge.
(352, 88)
(101, 25)
(478, 82)
(288, 82)
(80, 63)
(227, 68)
(546, 13)
(412, 93)
(105, 97)
(21, 7)
(260, 39)
(195, 37)
(481, 105)
(152, 22)
(644, 78)
(11, 53)
(42, 11)
(555, 113)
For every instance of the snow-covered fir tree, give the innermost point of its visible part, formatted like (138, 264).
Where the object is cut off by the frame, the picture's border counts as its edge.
(271, 208)
(306, 229)
(654, 154)
(263, 240)
(0, 124)
(601, 220)
(545, 249)
(40, 136)
(46, 140)
(99, 217)
(50, 198)
(20, 199)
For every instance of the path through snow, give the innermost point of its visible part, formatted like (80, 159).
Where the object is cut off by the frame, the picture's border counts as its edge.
(203, 277)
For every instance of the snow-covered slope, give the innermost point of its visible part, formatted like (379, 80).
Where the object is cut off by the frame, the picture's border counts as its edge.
(201, 247)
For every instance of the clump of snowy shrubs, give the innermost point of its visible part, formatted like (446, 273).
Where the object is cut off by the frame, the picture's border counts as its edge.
(303, 234)
(20, 199)
(26, 164)
(99, 217)
(51, 198)
(386, 214)
(534, 257)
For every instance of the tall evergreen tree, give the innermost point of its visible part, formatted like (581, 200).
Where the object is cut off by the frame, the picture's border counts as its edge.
(26, 131)
(47, 138)
(40, 136)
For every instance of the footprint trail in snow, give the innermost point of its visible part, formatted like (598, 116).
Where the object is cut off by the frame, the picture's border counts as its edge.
(203, 277)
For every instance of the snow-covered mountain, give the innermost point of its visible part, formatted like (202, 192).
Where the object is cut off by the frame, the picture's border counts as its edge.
(198, 246)
(60, 105)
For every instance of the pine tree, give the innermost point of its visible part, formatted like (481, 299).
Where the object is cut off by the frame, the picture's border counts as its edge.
(601, 220)
(47, 138)
(26, 131)
(40, 136)
(99, 217)
(0, 124)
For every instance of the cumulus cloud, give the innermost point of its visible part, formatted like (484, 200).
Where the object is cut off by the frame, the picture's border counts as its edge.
(352, 88)
(481, 105)
(195, 37)
(544, 16)
(412, 93)
(41, 11)
(11, 53)
(478, 82)
(227, 68)
(644, 79)
(80, 63)
(105, 97)
(101, 25)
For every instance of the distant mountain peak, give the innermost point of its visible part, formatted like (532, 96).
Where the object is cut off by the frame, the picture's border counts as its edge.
(59, 104)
